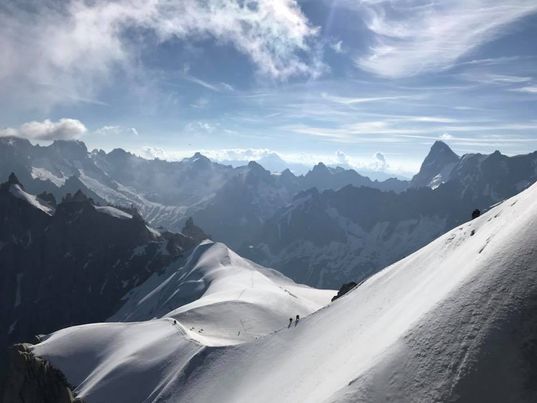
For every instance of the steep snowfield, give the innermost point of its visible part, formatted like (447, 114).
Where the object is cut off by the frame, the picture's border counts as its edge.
(19, 193)
(216, 299)
(455, 321)
(114, 212)
(44, 175)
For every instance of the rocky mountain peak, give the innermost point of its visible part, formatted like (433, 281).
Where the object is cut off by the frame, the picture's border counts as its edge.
(13, 180)
(257, 170)
(199, 159)
(70, 148)
(437, 165)
(287, 173)
(320, 168)
(439, 155)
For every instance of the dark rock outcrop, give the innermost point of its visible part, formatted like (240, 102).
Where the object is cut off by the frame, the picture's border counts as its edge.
(344, 289)
(34, 380)
(193, 231)
(72, 265)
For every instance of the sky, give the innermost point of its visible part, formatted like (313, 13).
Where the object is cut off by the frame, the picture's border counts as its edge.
(369, 84)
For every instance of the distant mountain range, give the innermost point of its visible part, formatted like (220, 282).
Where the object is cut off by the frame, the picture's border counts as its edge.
(324, 228)
(167, 193)
(332, 237)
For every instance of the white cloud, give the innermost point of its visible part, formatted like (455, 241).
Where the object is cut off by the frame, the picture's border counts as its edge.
(200, 127)
(201, 83)
(157, 152)
(298, 162)
(63, 129)
(380, 157)
(362, 100)
(116, 130)
(529, 89)
(418, 36)
(59, 52)
(337, 47)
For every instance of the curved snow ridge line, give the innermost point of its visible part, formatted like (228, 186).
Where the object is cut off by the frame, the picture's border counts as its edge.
(238, 328)
(490, 337)
(360, 335)
(145, 358)
(182, 330)
(213, 274)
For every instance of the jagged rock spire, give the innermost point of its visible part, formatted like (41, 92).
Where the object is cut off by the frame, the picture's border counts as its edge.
(13, 180)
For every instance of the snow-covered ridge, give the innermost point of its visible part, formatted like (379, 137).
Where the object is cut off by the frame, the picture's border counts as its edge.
(220, 298)
(17, 191)
(113, 212)
(453, 321)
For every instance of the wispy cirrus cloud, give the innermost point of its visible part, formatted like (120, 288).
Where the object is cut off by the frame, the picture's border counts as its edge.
(57, 52)
(495, 79)
(215, 87)
(398, 130)
(362, 100)
(116, 130)
(531, 89)
(419, 36)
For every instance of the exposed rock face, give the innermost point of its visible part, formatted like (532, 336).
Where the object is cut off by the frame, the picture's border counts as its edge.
(33, 380)
(436, 167)
(344, 289)
(230, 203)
(327, 238)
(192, 230)
(72, 264)
(495, 175)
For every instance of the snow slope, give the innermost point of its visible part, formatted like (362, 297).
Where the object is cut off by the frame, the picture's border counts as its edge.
(220, 298)
(455, 321)
(114, 212)
(18, 192)
(216, 299)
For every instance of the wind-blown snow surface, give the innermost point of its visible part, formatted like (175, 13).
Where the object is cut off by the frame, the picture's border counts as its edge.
(455, 321)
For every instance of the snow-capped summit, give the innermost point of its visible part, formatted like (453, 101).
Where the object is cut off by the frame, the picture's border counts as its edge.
(454, 321)
(232, 299)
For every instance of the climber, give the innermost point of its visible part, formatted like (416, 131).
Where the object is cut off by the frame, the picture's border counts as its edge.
(297, 319)
(290, 322)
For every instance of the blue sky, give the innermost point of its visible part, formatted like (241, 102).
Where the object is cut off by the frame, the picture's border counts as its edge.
(365, 83)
